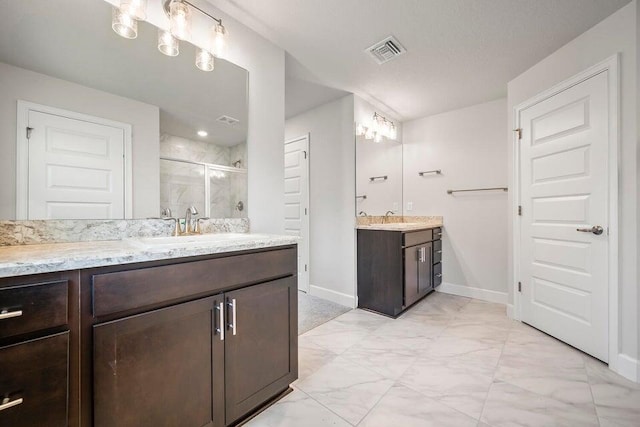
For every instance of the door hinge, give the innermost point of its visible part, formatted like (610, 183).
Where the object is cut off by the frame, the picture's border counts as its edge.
(519, 131)
(305, 267)
(519, 286)
(520, 210)
(305, 211)
(305, 154)
(29, 130)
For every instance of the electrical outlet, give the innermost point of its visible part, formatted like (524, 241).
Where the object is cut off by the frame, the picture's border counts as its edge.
(409, 206)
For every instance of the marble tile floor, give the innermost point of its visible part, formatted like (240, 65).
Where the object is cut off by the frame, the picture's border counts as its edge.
(449, 361)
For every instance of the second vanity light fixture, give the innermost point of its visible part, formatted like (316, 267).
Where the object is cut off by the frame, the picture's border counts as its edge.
(379, 128)
(125, 23)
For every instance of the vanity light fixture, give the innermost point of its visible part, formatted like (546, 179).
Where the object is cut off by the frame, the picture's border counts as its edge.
(380, 127)
(125, 23)
(168, 44)
(202, 133)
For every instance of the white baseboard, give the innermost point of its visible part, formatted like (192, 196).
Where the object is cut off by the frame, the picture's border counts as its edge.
(469, 292)
(628, 367)
(510, 312)
(334, 296)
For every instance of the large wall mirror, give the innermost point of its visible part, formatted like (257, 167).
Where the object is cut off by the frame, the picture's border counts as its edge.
(378, 177)
(96, 126)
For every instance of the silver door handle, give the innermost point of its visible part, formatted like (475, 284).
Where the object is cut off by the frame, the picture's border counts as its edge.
(439, 275)
(233, 308)
(6, 314)
(220, 328)
(6, 403)
(596, 229)
(438, 252)
(423, 254)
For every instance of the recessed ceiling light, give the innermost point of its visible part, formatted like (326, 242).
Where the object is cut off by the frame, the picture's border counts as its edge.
(202, 133)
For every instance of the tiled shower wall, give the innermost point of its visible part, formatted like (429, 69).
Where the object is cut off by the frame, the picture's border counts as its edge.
(183, 184)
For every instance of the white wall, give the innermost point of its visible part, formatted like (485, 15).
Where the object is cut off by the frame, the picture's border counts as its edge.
(332, 197)
(18, 83)
(468, 146)
(615, 34)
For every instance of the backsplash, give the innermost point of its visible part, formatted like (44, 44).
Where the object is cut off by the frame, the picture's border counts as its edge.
(65, 231)
(392, 219)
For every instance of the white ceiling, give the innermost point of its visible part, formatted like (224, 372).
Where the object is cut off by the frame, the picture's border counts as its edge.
(460, 52)
(73, 40)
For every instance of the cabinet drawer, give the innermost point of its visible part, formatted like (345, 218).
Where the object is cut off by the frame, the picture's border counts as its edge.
(437, 233)
(32, 307)
(134, 289)
(34, 375)
(437, 274)
(417, 237)
(437, 252)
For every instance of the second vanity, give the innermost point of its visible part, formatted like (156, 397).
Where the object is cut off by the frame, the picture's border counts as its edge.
(156, 331)
(398, 265)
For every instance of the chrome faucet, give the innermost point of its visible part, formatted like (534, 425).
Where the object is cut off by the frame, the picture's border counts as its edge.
(386, 216)
(363, 213)
(188, 219)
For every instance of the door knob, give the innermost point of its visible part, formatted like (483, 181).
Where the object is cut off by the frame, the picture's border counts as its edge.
(596, 229)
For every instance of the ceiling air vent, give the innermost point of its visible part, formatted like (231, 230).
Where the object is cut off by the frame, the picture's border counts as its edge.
(228, 120)
(386, 50)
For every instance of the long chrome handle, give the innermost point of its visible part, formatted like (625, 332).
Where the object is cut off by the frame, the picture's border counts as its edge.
(423, 254)
(596, 229)
(6, 403)
(6, 314)
(220, 328)
(234, 309)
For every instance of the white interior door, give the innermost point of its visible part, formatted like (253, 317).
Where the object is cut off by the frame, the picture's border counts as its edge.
(76, 168)
(564, 194)
(296, 202)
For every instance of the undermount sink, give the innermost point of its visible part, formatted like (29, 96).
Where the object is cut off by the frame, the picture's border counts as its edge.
(190, 240)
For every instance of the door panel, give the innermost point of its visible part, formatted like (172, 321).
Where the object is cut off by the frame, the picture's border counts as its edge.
(76, 169)
(160, 368)
(261, 357)
(296, 207)
(564, 187)
(411, 267)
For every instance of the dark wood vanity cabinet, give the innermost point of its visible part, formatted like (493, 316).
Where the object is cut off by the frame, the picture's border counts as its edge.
(396, 269)
(200, 343)
(37, 318)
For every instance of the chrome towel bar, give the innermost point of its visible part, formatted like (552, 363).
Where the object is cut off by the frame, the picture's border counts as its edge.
(436, 171)
(478, 189)
(382, 177)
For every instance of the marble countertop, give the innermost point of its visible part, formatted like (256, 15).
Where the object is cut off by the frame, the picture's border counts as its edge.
(53, 257)
(400, 226)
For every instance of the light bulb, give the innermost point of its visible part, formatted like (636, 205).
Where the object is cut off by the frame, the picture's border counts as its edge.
(180, 20)
(204, 60)
(137, 9)
(168, 44)
(377, 137)
(360, 130)
(393, 133)
(218, 42)
(123, 24)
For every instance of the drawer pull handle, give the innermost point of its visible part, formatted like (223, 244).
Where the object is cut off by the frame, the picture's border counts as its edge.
(6, 403)
(438, 252)
(6, 314)
(220, 328)
(439, 275)
(232, 306)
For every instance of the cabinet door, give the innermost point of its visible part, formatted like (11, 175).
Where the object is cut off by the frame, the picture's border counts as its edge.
(261, 344)
(34, 382)
(161, 368)
(425, 280)
(411, 267)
